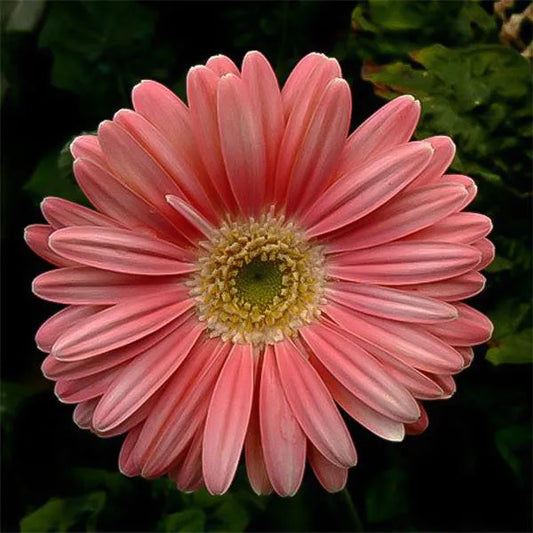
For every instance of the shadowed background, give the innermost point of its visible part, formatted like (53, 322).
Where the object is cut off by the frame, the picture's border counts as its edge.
(66, 66)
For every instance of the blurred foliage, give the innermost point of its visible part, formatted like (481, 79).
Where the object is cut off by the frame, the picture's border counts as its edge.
(66, 66)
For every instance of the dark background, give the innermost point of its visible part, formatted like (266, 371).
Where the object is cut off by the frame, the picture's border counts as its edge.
(66, 66)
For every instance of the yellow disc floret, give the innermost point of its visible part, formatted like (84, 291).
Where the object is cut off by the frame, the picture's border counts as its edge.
(258, 280)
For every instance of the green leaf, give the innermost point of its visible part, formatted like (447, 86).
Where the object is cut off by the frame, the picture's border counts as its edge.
(514, 444)
(67, 514)
(54, 177)
(188, 520)
(516, 348)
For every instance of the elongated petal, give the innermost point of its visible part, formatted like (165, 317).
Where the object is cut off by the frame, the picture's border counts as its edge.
(441, 160)
(113, 198)
(391, 303)
(415, 381)
(121, 324)
(169, 157)
(366, 188)
(359, 372)
(135, 385)
(321, 146)
(381, 425)
(463, 228)
(227, 419)
(407, 342)
(202, 85)
(420, 426)
(188, 212)
(88, 387)
(332, 477)
(313, 406)
(120, 250)
(181, 409)
(36, 237)
(265, 96)
(221, 64)
(83, 413)
(136, 167)
(470, 328)
(450, 290)
(467, 182)
(404, 263)
(88, 147)
(391, 125)
(189, 476)
(284, 443)
(61, 213)
(58, 323)
(301, 95)
(487, 250)
(253, 448)
(242, 143)
(91, 286)
(405, 214)
(55, 369)
(126, 460)
(307, 81)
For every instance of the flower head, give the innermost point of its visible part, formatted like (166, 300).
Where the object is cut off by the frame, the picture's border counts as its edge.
(249, 268)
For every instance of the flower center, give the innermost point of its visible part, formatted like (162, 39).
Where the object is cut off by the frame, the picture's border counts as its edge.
(258, 281)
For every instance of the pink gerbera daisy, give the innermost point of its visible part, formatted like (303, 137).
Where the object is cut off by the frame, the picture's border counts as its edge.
(249, 268)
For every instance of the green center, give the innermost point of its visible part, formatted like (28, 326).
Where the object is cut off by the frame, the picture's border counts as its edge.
(259, 282)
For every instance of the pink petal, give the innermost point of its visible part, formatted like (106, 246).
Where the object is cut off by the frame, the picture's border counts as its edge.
(135, 167)
(182, 408)
(405, 214)
(409, 343)
(381, 425)
(361, 191)
(55, 369)
(83, 414)
(467, 182)
(193, 216)
(144, 375)
(450, 290)
(88, 387)
(470, 328)
(390, 303)
(61, 213)
(88, 147)
(121, 250)
(284, 443)
(202, 85)
(441, 160)
(332, 477)
(445, 382)
(227, 419)
(359, 372)
(391, 125)
(242, 143)
(463, 228)
(420, 426)
(169, 157)
(221, 64)
(126, 461)
(113, 198)
(313, 406)
(467, 353)
(36, 237)
(253, 448)
(307, 81)
(189, 474)
(320, 147)
(121, 324)
(57, 324)
(487, 250)
(263, 88)
(415, 381)
(301, 95)
(91, 286)
(404, 263)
